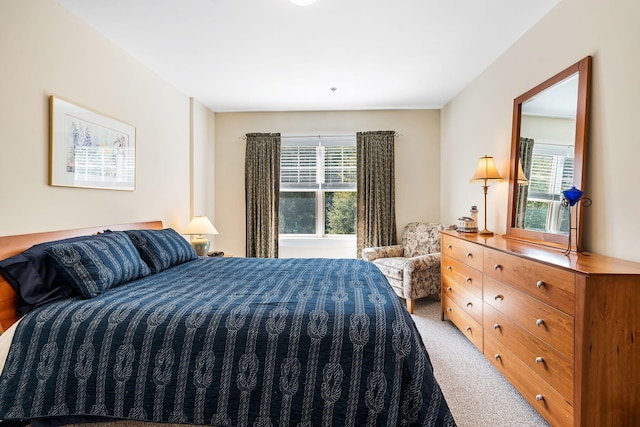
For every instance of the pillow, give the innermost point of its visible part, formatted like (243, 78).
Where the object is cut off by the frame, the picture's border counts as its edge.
(33, 276)
(161, 249)
(98, 264)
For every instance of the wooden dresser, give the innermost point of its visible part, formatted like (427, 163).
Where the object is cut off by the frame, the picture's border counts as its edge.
(564, 330)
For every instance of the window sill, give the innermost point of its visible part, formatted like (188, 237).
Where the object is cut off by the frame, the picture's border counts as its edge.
(320, 242)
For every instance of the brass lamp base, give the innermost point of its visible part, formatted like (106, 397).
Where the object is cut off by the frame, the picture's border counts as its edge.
(485, 232)
(201, 245)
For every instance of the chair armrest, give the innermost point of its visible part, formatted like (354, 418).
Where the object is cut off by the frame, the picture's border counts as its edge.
(423, 262)
(421, 275)
(370, 254)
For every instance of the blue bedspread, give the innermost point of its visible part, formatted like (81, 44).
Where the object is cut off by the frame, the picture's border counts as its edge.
(229, 341)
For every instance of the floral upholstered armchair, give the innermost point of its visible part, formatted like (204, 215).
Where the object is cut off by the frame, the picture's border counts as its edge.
(412, 268)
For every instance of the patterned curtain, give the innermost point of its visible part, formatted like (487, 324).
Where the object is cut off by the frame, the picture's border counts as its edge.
(262, 193)
(526, 158)
(376, 190)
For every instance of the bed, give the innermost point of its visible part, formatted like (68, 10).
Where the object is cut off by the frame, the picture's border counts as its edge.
(135, 326)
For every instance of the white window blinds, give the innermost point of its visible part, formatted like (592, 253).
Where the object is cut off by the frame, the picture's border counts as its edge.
(551, 172)
(319, 162)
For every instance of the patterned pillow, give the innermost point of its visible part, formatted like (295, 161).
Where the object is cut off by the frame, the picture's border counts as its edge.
(161, 249)
(95, 265)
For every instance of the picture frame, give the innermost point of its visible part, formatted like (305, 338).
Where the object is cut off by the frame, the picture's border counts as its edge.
(90, 150)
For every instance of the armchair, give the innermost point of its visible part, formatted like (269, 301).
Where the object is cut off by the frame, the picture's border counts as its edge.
(412, 268)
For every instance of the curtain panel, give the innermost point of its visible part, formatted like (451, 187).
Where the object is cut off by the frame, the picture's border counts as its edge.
(376, 190)
(262, 194)
(526, 159)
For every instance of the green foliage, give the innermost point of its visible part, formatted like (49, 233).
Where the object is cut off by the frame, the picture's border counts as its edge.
(297, 212)
(340, 208)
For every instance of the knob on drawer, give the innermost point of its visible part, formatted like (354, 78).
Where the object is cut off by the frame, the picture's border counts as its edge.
(497, 267)
(540, 284)
(449, 247)
(468, 279)
(468, 328)
(496, 356)
(449, 268)
(499, 297)
(539, 397)
(539, 322)
(469, 304)
(469, 255)
(449, 309)
(539, 360)
(496, 326)
(449, 288)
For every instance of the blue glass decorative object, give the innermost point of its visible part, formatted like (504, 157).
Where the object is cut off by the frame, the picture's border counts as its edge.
(573, 195)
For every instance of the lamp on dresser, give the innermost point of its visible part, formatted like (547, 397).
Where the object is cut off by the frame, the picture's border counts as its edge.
(485, 172)
(199, 226)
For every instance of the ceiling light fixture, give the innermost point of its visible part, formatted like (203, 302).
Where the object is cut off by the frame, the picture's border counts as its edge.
(303, 2)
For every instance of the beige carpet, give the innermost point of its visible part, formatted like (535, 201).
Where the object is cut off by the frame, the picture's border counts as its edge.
(477, 393)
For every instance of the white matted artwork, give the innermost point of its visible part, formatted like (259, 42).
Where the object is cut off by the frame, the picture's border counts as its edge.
(90, 150)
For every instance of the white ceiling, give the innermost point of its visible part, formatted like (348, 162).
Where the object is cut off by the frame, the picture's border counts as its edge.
(271, 55)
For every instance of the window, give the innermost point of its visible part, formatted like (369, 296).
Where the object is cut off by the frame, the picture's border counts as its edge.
(551, 173)
(318, 186)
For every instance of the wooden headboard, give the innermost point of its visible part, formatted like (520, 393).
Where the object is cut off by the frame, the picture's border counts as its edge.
(13, 245)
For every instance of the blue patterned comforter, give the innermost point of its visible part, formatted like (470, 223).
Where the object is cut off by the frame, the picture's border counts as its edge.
(229, 342)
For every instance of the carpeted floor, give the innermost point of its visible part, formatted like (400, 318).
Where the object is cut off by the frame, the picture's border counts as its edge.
(477, 394)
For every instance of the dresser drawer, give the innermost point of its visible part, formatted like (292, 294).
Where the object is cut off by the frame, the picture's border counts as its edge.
(548, 363)
(466, 252)
(465, 299)
(459, 272)
(464, 322)
(547, 323)
(551, 285)
(544, 398)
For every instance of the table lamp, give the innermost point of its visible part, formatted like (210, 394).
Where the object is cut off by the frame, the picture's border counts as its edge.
(486, 171)
(199, 226)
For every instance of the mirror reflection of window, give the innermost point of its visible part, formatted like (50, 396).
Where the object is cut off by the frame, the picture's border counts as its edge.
(551, 173)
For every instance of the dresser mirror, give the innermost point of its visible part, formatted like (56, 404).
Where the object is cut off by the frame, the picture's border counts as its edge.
(548, 149)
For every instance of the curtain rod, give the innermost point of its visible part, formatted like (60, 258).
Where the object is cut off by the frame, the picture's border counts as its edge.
(244, 137)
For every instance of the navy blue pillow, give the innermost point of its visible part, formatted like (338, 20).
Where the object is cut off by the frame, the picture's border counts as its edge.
(96, 265)
(161, 249)
(33, 276)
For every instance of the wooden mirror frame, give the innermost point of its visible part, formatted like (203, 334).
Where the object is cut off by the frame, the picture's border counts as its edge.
(583, 68)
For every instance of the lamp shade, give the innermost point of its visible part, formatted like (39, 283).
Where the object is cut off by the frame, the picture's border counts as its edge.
(303, 2)
(486, 170)
(521, 178)
(200, 225)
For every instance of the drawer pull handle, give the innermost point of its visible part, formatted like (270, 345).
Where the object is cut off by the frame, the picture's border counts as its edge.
(449, 288)
(539, 397)
(469, 255)
(539, 360)
(449, 309)
(497, 267)
(496, 356)
(539, 322)
(497, 326)
(449, 268)
(499, 297)
(468, 328)
(469, 304)
(540, 284)
(449, 247)
(468, 279)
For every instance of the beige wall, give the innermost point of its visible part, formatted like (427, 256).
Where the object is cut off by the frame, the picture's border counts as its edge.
(478, 120)
(417, 160)
(46, 51)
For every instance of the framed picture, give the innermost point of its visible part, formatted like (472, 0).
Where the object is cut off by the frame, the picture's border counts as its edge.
(90, 150)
